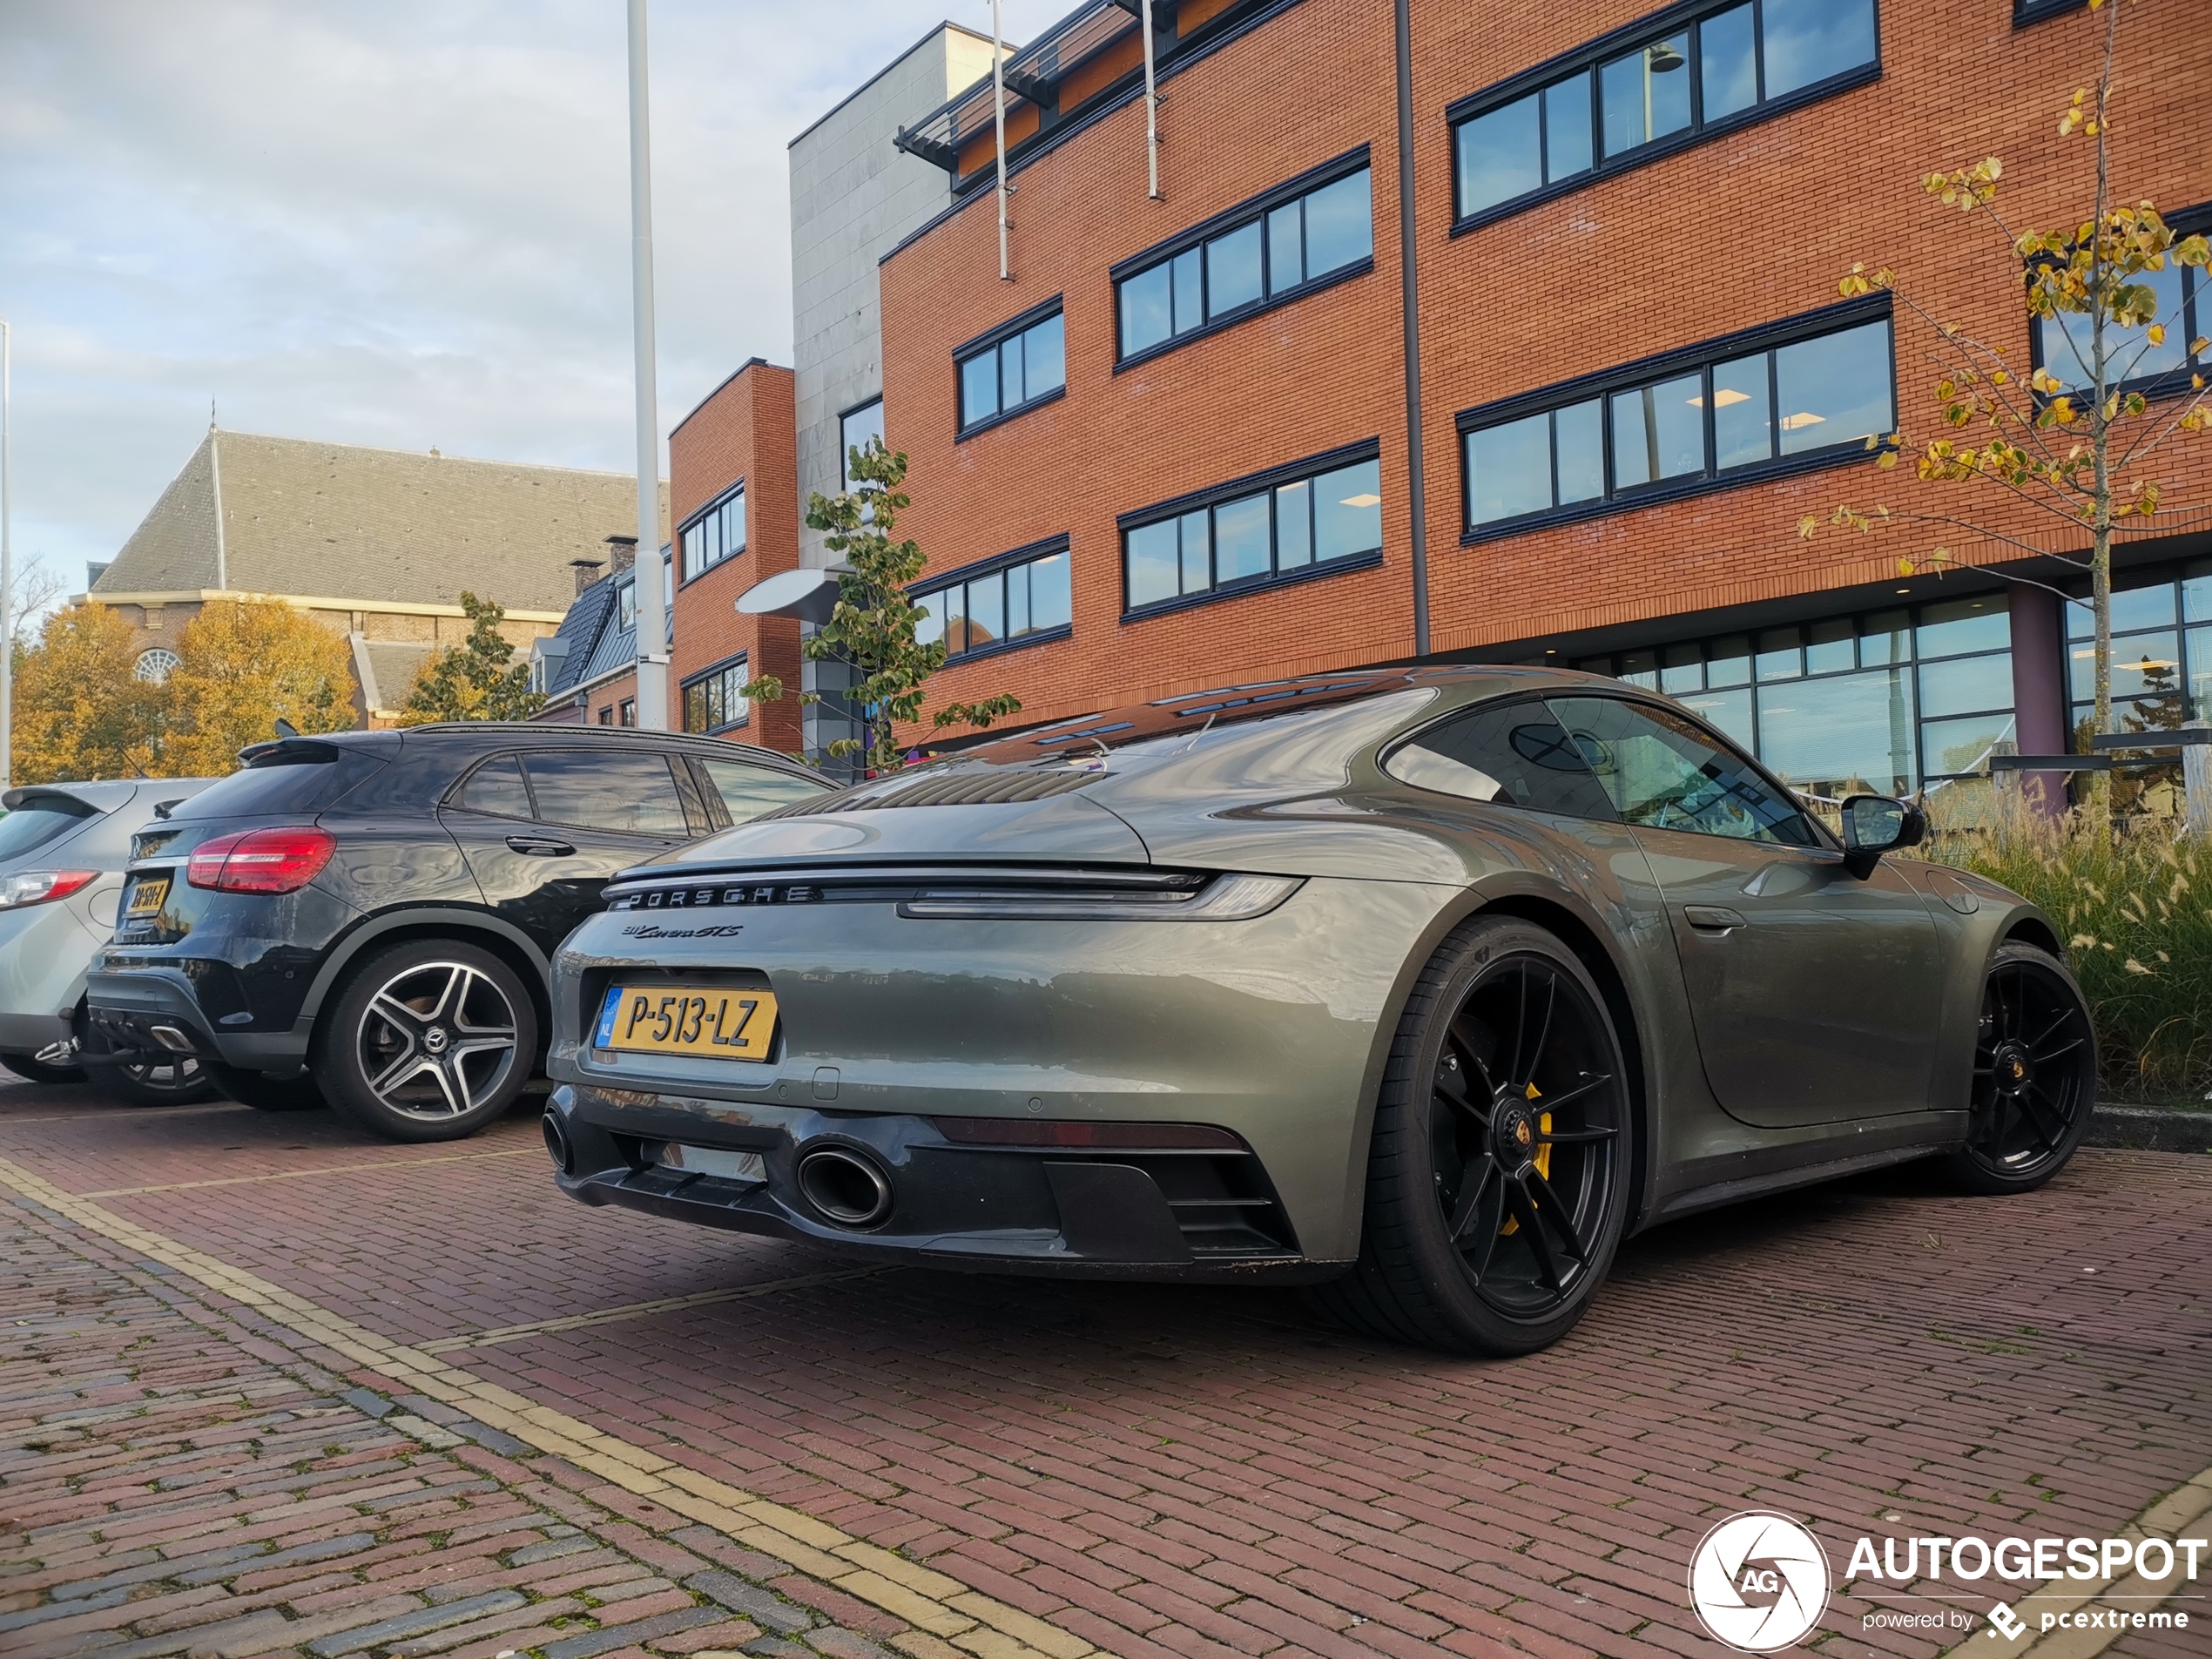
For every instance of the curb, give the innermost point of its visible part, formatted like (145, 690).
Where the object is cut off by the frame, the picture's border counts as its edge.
(2150, 1129)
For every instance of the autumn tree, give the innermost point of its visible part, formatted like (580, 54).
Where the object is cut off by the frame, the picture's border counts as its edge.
(80, 713)
(478, 679)
(2068, 440)
(875, 625)
(244, 664)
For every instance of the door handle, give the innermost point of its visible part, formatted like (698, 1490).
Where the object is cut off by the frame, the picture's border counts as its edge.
(539, 846)
(1713, 919)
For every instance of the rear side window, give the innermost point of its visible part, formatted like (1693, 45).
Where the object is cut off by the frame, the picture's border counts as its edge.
(293, 784)
(496, 786)
(631, 793)
(747, 791)
(1516, 755)
(38, 821)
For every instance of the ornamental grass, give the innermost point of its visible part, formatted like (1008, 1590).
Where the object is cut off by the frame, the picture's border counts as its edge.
(2136, 908)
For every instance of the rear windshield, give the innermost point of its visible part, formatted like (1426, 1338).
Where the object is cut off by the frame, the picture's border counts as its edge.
(290, 785)
(38, 821)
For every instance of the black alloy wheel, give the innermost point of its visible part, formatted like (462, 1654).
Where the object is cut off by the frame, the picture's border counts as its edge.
(2035, 1074)
(430, 1040)
(1497, 1187)
(178, 1080)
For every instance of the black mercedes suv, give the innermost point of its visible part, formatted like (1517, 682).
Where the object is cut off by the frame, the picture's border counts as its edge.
(365, 918)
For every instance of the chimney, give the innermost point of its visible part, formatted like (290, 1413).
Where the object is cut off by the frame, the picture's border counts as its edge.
(587, 571)
(624, 551)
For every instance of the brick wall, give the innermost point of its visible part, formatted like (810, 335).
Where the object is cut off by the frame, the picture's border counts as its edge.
(1741, 230)
(743, 432)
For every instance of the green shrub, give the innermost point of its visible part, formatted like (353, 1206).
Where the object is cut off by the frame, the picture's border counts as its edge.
(2135, 907)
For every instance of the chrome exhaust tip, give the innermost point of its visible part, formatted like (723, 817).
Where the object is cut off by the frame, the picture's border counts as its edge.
(169, 1038)
(556, 1143)
(846, 1188)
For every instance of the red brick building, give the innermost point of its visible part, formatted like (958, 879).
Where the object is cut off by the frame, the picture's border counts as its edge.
(1515, 335)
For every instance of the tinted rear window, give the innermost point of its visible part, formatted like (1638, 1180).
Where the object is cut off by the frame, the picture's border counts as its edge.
(37, 822)
(292, 786)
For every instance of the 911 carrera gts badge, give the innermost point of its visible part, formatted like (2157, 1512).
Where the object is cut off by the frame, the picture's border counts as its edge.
(648, 930)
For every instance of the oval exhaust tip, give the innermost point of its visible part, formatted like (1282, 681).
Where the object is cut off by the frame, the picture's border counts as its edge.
(844, 1187)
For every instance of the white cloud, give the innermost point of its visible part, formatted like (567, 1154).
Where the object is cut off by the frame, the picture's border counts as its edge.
(404, 223)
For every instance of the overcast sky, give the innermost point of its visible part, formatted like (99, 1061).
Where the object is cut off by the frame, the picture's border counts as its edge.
(395, 222)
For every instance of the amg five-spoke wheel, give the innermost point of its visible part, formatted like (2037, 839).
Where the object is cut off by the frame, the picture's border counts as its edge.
(2035, 1074)
(430, 1040)
(1496, 1190)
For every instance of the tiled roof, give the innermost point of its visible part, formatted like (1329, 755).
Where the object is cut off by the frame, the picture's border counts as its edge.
(597, 642)
(343, 520)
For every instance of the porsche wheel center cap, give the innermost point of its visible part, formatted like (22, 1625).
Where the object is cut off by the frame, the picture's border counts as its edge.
(1516, 1137)
(2012, 1068)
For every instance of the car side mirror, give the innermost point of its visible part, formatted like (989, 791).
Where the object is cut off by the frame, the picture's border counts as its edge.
(1874, 824)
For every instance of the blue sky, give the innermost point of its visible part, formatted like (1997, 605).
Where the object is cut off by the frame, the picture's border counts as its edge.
(395, 222)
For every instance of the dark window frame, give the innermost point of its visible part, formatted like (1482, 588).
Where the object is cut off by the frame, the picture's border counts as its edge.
(2195, 323)
(961, 575)
(876, 401)
(700, 517)
(1269, 481)
(736, 659)
(989, 340)
(2027, 12)
(1252, 210)
(1699, 358)
(1643, 32)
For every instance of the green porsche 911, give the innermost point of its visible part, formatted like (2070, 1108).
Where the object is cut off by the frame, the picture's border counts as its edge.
(1424, 988)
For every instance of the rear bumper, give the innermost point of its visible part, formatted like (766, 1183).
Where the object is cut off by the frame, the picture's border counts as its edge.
(123, 1009)
(43, 952)
(1126, 1213)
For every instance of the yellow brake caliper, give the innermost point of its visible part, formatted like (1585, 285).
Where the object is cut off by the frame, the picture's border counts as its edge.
(1543, 1159)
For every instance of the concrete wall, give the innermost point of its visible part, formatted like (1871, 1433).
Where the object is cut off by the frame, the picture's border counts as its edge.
(853, 197)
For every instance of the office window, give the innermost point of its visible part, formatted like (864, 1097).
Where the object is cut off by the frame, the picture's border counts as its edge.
(716, 699)
(1888, 701)
(856, 430)
(1280, 527)
(715, 534)
(1030, 597)
(1693, 426)
(2161, 653)
(2063, 343)
(1272, 249)
(1010, 371)
(630, 711)
(1603, 112)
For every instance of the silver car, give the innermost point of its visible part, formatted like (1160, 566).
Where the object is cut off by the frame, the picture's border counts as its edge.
(1424, 986)
(63, 847)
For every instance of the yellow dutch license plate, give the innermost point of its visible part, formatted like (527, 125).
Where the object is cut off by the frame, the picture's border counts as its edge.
(148, 896)
(718, 1022)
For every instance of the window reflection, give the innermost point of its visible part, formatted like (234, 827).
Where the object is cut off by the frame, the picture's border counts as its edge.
(1658, 432)
(1294, 526)
(1645, 93)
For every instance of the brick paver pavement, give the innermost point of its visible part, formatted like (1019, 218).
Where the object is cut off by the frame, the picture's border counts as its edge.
(1155, 1471)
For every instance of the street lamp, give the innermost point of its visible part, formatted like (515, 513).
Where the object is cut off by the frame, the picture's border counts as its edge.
(652, 627)
(1658, 59)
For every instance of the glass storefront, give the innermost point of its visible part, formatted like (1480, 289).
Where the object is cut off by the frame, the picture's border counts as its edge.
(1887, 701)
(2161, 653)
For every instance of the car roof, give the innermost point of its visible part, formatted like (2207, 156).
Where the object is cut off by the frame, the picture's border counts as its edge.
(488, 735)
(105, 795)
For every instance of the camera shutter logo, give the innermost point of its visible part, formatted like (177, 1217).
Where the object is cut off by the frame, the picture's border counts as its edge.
(1759, 1582)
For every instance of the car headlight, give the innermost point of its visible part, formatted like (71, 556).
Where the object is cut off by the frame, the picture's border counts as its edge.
(1226, 898)
(28, 887)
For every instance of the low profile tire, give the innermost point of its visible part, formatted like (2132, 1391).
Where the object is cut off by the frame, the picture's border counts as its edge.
(265, 1092)
(429, 1040)
(2034, 1075)
(33, 1070)
(1497, 1178)
(180, 1081)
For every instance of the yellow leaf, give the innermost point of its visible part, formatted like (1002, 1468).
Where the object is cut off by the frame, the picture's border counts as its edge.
(1807, 525)
(2157, 332)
